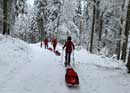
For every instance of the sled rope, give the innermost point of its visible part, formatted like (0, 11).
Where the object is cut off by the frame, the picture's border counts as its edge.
(73, 58)
(62, 56)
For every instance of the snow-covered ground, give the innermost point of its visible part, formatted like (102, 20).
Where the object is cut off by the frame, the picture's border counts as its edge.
(28, 68)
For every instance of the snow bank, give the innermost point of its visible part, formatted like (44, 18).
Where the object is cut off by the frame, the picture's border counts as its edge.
(98, 60)
(12, 53)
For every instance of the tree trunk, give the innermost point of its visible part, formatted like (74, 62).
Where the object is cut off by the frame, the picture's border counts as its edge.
(126, 34)
(58, 18)
(119, 46)
(101, 24)
(93, 24)
(81, 29)
(40, 26)
(128, 62)
(5, 16)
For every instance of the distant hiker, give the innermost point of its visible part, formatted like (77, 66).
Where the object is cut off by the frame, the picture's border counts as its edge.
(54, 43)
(69, 46)
(46, 43)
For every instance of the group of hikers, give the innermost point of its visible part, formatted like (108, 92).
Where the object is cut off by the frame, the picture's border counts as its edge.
(68, 46)
(53, 42)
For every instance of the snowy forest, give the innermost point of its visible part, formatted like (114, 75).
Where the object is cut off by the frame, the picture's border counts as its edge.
(99, 27)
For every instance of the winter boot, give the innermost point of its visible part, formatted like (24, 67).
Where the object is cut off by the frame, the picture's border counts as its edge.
(68, 63)
(65, 63)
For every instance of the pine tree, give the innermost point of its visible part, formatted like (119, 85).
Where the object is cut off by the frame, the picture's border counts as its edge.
(93, 25)
(128, 62)
(126, 34)
(5, 16)
(1, 16)
(127, 30)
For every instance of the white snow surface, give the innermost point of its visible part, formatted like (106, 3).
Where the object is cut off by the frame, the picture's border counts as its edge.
(27, 68)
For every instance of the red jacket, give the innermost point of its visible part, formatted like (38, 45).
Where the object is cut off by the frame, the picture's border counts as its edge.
(46, 41)
(54, 42)
(69, 46)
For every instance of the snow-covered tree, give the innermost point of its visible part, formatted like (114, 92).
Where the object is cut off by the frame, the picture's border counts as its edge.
(62, 18)
(26, 26)
(58, 18)
(108, 24)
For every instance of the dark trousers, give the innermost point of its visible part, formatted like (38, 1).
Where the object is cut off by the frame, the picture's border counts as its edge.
(54, 47)
(67, 57)
(46, 46)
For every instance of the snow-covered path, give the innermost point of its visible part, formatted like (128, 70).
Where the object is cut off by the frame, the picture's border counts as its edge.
(39, 75)
(45, 74)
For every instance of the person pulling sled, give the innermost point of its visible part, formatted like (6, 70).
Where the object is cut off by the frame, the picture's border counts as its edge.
(69, 46)
(54, 43)
(46, 43)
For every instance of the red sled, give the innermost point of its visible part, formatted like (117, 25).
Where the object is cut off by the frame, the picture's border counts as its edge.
(57, 53)
(50, 49)
(71, 77)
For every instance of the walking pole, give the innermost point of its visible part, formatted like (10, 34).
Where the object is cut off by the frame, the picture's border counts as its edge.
(62, 55)
(73, 58)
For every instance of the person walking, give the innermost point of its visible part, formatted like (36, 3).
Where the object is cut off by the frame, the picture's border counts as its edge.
(54, 43)
(69, 46)
(46, 43)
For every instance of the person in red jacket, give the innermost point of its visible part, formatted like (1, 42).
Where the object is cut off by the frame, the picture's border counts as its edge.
(46, 42)
(54, 43)
(69, 46)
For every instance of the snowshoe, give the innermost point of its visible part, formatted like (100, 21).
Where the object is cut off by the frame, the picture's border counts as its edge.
(71, 77)
(65, 64)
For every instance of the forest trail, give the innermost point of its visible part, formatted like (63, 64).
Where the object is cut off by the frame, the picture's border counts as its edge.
(45, 74)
